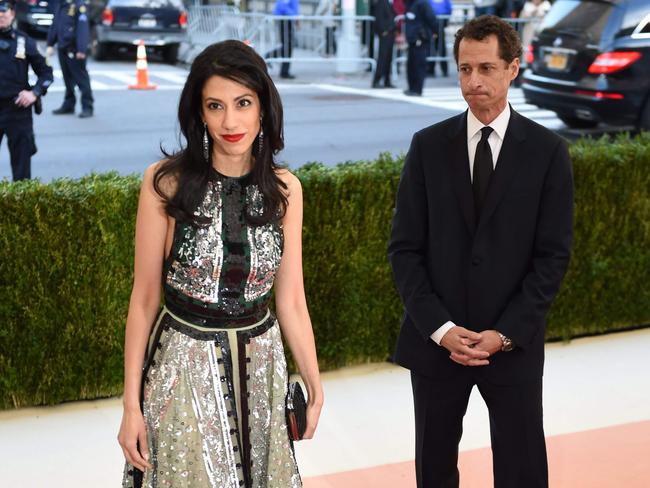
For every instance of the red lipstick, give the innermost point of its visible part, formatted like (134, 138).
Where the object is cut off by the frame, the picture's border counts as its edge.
(233, 137)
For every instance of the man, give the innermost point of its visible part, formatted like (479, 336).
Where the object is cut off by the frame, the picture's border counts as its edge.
(385, 29)
(70, 31)
(286, 26)
(420, 25)
(480, 242)
(17, 53)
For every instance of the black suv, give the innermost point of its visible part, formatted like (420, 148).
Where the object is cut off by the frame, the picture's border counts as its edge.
(590, 63)
(161, 24)
(35, 16)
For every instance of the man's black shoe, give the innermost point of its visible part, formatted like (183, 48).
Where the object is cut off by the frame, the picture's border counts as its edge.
(410, 93)
(375, 84)
(63, 111)
(389, 85)
(287, 77)
(85, 114)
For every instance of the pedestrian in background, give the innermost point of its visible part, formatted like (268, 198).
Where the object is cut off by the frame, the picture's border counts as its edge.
(385, 29)
(399, 6)
(286, 26)
(328, 8)
(221, 223)
(533, 11)
(487, 7)
(420, 25)
(440, 8)
(475, 296)
(17, 53)
(70, 31)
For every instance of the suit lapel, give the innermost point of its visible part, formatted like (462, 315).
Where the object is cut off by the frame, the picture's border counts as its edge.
(459, 169)
(509, 161)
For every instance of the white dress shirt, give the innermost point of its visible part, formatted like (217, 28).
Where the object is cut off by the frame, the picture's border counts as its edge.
(474, 126)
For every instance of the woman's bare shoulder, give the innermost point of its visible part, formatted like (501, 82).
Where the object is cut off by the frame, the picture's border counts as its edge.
(166, 183)
(289, 179)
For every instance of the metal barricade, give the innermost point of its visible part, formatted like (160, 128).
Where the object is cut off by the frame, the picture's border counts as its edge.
(322, 38)
(318, 38)
(442, 45)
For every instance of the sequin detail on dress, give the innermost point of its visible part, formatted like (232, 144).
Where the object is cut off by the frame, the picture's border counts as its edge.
(215, 375)
(265, 243)
(196, 268)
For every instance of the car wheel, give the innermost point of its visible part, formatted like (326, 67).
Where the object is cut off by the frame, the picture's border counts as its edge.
(99, 50)
(644, 119)
(575, 123)
(170, 53)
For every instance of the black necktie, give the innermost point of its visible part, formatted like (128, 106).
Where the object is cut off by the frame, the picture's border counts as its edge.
(483, 168)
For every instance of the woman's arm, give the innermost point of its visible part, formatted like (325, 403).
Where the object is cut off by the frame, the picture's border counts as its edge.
(150, 237)
(291, 305)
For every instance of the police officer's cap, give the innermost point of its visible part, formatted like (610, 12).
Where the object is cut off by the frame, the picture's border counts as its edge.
(6, 5)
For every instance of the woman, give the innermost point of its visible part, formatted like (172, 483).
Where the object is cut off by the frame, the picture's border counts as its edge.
(220, 222)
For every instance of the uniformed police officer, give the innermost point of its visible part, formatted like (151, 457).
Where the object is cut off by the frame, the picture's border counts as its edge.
(17, 52)
(71, 32)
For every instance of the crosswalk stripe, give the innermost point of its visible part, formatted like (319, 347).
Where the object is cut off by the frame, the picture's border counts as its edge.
(173, 77)
(98, 85)
(119, 76)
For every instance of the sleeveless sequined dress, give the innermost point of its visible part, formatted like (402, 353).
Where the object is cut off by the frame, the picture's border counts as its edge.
(215, 375)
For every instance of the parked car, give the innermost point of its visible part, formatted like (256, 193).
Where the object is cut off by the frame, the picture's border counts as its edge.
(161, 24)
(35, 16)
(590, 63)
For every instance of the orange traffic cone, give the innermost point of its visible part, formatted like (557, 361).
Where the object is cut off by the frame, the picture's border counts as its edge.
(142, 77)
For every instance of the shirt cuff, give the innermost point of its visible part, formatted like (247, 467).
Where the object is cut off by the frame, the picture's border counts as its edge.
(442, 330)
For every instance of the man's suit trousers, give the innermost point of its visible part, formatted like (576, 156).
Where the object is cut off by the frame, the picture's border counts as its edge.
(516, 430)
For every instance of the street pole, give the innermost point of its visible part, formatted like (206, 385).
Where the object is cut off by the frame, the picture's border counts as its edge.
(349, 46)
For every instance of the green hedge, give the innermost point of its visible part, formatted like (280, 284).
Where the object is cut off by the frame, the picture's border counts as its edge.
(66, 257)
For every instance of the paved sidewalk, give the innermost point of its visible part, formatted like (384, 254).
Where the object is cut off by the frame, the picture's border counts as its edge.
(597, 417)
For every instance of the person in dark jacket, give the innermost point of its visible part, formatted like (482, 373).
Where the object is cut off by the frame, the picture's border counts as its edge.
(480, 243)
(286, 8)
(385, 29)
(420, 26)
(71, 32)
(440, 8)
(17, 53)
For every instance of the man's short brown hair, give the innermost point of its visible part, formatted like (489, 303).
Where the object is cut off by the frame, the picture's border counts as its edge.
(486, 25)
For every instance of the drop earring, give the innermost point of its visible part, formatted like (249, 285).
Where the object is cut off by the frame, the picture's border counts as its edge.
(206, 143)
(260, 139)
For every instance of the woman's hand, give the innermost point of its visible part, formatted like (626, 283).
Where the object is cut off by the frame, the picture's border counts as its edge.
(133, 434)
(313, 414)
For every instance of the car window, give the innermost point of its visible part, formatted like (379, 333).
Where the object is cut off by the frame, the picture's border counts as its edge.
(148, 3)
(575, 17)
(636, 19)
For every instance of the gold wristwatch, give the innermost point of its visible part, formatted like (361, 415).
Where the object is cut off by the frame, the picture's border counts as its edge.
(508, 345)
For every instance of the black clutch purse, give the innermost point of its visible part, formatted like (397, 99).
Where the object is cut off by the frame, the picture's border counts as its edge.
(296, 412)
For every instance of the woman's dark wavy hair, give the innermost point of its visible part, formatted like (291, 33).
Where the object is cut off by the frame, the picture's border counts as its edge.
(240, 63)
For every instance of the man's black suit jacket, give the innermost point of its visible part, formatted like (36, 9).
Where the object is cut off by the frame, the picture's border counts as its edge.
(384, 17)
(501, 272)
